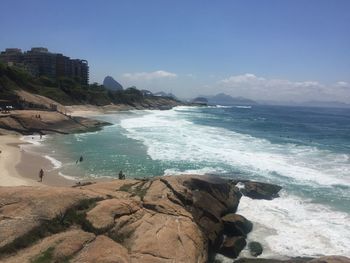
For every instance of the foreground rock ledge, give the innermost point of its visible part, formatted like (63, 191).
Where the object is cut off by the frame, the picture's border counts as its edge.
(163, 219)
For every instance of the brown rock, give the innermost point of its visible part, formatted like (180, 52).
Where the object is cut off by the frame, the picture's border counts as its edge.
(102, 216)
(153, 237)
(111, 189)
(257, 190)
(56, 247)
(24, 209)
(103, 249)
(160, 198)
(232, 246)
(236, 225)
(207, 198)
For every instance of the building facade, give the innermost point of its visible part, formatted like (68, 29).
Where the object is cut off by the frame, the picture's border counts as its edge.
(40, 62)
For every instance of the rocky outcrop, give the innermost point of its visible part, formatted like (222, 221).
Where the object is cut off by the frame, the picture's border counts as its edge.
(257, 190)
(27, 122)
(163, 219)
(255, 248)
(236, 225)
(232, 246)
(102, 249)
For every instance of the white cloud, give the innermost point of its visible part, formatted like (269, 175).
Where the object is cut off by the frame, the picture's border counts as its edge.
(343, 84)
(159, 74)
(255, 87)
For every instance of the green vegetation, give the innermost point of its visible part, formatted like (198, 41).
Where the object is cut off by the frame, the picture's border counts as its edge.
(66, 91)
(120, 237)
(45, 257)
(136, 189)
(126, 187)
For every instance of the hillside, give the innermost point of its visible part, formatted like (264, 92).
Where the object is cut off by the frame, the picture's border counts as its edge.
(67, 91)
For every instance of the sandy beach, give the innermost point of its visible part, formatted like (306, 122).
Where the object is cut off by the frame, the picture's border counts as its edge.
(9, 158)
(18, 166)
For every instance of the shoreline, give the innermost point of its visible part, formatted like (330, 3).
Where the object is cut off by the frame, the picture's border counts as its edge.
(30, 164)
(10, 157)
(20, 166)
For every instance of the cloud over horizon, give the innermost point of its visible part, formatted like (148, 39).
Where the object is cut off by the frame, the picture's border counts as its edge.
(261, 88)
(159, 74)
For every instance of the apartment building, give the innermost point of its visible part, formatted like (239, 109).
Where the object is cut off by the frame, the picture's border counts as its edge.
(40, 62)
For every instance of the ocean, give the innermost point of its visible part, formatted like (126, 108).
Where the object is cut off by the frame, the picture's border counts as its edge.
(305, 150)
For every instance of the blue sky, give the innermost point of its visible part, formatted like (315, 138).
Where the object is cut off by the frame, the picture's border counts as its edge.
(272, 49)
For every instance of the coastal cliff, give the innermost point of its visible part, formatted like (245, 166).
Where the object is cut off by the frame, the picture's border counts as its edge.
(163, 219)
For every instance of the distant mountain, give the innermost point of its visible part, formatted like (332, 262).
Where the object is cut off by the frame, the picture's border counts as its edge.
(111, 84)
(224, 99)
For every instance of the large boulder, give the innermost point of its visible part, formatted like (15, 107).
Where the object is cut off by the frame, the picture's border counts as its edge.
(236, 225)
(232, 246)
(255, 248)
(257, 190)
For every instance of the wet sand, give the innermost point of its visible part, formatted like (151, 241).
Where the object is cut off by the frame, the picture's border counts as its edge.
(21, 167)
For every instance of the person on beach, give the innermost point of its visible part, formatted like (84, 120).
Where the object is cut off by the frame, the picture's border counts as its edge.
(41, 175)
(121, 176)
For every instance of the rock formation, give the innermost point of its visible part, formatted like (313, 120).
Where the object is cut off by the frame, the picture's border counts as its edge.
(163, 219)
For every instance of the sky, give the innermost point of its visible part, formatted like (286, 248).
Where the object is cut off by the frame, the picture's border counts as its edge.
(281, 50)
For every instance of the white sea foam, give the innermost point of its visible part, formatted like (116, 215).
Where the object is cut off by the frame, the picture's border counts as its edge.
(67, 176)
(243, 107)
(292, 226)
(34, 139)
(56, 163)
(224, 107)
(170, 137)
(202, 171)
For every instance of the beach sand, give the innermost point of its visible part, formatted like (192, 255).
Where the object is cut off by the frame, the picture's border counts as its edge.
(21, 167)
(10, 156)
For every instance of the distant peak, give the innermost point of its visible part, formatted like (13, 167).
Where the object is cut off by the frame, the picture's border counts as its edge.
(111, 84)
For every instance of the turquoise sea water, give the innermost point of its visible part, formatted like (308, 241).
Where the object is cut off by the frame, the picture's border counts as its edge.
(305, 150)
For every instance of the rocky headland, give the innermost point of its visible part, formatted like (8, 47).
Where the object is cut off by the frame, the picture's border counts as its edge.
(162, 219)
